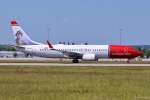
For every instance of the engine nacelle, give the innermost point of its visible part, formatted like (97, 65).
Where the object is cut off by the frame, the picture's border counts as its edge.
(89, 57)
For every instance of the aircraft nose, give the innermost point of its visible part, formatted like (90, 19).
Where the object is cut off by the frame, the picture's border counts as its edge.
(140, 53)
(137, 53)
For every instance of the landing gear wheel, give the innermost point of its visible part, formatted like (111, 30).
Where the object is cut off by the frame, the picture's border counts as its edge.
(75, 61)
(27, 55)
(129, 60)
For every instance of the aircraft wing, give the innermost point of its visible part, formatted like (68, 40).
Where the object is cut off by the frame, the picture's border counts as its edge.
(71, 55)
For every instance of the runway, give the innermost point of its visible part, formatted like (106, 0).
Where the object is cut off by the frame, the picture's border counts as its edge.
(72, 65)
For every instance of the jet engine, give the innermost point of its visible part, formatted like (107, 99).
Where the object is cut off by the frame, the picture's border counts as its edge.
(89, 57)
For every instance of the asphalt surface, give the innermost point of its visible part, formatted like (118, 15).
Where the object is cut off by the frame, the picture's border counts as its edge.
(70, 65)
(29, 62)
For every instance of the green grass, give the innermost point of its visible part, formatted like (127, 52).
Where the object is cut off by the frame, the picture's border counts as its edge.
(74, 83)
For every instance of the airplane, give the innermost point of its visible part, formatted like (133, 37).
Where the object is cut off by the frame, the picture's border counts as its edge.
(74, 52)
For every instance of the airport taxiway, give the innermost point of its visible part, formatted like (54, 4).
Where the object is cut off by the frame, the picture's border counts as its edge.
(72, 65)
(37, 62)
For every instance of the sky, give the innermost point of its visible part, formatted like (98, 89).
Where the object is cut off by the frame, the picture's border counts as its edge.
(79, 21)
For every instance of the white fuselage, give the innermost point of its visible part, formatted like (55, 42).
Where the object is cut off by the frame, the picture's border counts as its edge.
(75, 52)
(100, 51)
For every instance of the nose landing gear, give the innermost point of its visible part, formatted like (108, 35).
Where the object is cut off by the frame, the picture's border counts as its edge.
(129, 60)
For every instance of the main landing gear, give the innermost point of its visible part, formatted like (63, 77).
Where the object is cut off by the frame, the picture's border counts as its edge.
(28, 55)
(75, 61)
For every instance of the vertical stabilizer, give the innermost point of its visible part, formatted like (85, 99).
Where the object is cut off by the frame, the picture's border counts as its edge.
(21, 37)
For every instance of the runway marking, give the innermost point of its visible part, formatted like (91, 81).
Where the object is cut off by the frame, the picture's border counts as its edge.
(79, 64)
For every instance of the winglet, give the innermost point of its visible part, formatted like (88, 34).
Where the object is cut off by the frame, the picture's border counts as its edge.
(49, 44)
(14, 23)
